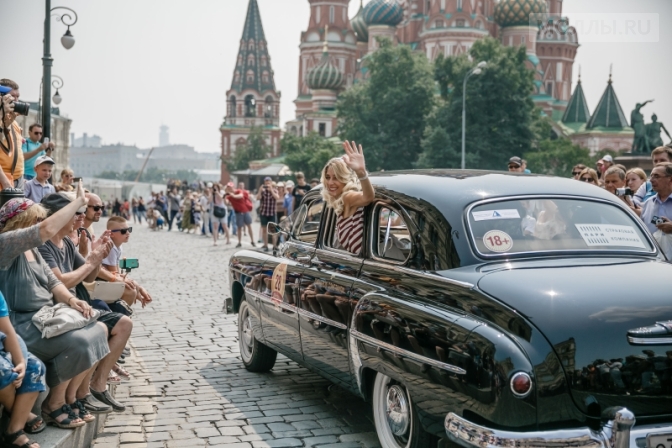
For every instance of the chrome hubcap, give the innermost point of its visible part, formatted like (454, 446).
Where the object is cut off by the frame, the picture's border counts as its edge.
(247, 331)
(397, 410)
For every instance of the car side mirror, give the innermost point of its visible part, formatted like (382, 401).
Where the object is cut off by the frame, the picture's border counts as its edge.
(274, 229)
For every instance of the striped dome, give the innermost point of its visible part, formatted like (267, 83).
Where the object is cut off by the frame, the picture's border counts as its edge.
(324, 75)
(517, 12)
(383, 12)
(359, 26)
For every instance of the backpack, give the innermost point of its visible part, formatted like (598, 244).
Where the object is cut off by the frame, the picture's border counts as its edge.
(248, 203)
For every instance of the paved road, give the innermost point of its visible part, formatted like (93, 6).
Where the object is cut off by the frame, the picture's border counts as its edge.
(189, 387)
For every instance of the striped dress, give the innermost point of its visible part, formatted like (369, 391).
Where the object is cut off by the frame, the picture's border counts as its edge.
(351, 231)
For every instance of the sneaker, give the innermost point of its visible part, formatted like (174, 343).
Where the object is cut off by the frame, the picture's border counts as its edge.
(94, 405)
(239, 245)
(265, 248)
(105, 397)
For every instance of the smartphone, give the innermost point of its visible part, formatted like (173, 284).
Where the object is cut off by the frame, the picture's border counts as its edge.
(76, 179)
(129, 263)
(46, 139)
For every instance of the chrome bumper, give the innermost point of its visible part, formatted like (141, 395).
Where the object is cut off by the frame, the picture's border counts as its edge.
(618, 432)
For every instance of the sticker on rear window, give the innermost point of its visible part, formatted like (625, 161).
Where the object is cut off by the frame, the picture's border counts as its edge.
(609, 235)
(489, 215)
(497, 241)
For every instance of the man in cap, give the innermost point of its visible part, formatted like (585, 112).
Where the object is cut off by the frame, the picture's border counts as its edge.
(516, 165)
(39, 187)
(268, 197)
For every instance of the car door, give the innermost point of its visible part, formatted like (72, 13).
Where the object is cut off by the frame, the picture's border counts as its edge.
(325, 308)
(282, 278)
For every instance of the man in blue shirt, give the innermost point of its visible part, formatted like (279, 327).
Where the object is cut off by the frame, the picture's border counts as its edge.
(659, 205)
(32, 148)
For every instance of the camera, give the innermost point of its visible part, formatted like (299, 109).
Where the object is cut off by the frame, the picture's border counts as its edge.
(656, 220)
(625, 191)
(20, 107)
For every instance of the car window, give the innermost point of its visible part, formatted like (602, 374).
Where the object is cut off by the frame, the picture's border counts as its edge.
(392, 239)
(310, 224)
(552, 225)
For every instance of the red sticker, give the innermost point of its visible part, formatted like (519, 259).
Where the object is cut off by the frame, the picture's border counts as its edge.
(497, 241)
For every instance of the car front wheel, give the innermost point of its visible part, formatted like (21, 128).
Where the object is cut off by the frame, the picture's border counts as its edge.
(256, 356)
(396, 419)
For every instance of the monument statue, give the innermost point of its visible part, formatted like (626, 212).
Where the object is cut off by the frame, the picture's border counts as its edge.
(637, 123)
(653, 129)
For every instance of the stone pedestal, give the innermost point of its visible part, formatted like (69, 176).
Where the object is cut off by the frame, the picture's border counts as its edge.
(642, 161)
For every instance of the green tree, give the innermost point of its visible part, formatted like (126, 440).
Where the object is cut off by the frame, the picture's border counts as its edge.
(557, 157)
(386, 114)
(501, 117)
(254, 149)
(308, 154)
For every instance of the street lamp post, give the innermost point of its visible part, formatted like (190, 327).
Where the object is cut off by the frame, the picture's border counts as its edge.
(68, 19)
(474, 71)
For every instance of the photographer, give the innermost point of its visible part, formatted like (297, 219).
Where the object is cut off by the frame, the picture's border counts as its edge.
(32, 149)
(269, 197)
(11, 156)
(614, 183)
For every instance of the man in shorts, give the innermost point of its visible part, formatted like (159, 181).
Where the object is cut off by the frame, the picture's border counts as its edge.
(268, 198)
(240, 201)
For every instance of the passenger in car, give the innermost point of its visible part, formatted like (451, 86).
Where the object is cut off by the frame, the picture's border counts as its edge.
(347, 189)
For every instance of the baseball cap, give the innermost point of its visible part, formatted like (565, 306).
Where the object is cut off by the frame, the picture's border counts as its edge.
(44, 159)
(56, 201)
(209, 185)
(516, 161)
(289, 183)
(608, 158)
(230, 184)
(281, 184)
(266, 179)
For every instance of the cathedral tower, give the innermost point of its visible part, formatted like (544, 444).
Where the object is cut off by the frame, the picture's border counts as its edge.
(253, 100)
(329, 21)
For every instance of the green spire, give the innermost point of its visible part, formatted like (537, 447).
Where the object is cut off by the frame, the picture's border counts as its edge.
(253, 68)
(608, 113)
(577, 109)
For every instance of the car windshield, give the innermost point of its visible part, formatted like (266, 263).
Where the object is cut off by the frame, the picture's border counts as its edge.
(553, 225)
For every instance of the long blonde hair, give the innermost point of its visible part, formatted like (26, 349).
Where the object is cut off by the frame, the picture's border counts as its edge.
(344, 175)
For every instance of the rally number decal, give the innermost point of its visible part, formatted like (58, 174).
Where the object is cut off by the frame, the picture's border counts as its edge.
(497, 241)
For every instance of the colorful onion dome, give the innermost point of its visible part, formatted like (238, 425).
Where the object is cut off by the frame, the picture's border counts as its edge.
(517, 12)
(324, 76)
(383, 12)
(359, 25)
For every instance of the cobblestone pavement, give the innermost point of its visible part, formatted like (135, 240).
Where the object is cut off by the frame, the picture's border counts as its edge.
(189, 386)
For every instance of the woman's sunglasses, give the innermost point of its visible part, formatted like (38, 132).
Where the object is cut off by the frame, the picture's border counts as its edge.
(123, 231)
(96, 208)
(588, 179)
(576, 173)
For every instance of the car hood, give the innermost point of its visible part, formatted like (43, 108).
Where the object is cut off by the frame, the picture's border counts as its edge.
(586, 312)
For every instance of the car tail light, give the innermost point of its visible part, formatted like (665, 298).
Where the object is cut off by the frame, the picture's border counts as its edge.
(521, 384)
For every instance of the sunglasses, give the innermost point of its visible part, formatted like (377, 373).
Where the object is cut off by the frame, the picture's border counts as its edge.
(37, 133)
(79, 213)
(123, 231)
(576, 173)
(513, 167)
(96, 208)
(588, 179)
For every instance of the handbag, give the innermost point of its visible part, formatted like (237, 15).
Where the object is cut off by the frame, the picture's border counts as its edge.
(59, 319)
(219, 212)
(108, 292)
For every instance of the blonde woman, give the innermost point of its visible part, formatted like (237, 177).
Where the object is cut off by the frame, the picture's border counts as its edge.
(347, 189)
(634, 179)
(589, 175)
(67, 178)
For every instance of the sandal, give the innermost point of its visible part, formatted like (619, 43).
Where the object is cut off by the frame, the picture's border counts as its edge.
(37, 421)
(11, 438)
(113, 378)
(81, 412)
(121, 371)
(66, 423)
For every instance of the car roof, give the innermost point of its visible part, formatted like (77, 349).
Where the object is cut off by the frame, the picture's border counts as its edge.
(462, 187)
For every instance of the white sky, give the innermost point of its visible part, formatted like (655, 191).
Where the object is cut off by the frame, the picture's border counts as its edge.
(138, 64)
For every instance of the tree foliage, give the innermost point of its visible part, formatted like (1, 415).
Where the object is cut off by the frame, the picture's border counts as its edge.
(386, 114)
(255, 148)
(500, 112)
(308, 154)
(557, 157)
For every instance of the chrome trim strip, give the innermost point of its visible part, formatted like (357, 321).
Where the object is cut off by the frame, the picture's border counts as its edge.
(649, 341)
(415, 273)
(472, 243)
(263, 298)
(421, 359)
(373, 236)
(322, 319)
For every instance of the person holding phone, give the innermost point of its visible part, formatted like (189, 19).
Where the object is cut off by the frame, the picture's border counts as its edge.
(32, 149)
(67, 180)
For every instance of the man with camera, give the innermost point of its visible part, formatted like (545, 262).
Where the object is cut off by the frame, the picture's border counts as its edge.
(32, 149)
(661, 154)
(11, 155)
(657, 210)
(614, 183)
(268, 195)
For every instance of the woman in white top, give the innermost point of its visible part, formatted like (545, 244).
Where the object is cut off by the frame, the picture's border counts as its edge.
(218, 204)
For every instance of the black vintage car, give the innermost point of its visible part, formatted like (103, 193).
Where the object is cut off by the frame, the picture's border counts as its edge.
(488, 309)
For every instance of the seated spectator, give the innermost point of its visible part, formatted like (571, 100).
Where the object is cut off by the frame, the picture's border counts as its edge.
(67, 178)
(87, 237)
(71, 269)
(28, 285)
(21, 381)
(120, 234)
(39, 187)
(589, 175)
(662, 154)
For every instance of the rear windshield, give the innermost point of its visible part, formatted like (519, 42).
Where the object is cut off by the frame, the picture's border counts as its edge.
(553, 225)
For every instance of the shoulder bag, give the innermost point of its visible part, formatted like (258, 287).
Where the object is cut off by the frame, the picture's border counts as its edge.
(219, 212)
(56, 320)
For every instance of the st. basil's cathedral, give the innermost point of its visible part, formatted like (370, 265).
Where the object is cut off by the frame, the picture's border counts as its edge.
(333, 51)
